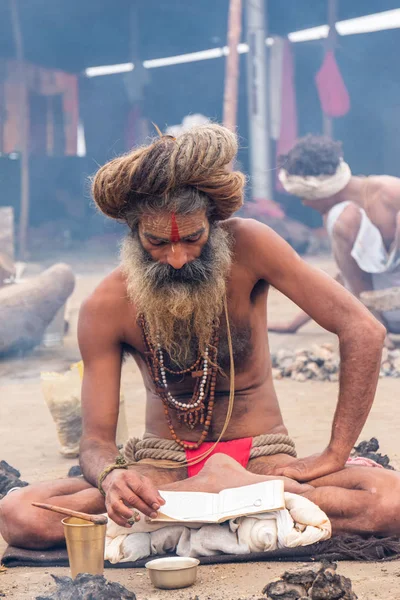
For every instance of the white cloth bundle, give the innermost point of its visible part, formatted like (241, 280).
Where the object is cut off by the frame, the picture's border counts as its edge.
(301, 523)
(316, 188)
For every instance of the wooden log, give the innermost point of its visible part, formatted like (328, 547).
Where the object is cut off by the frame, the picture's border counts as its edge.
(27, 308)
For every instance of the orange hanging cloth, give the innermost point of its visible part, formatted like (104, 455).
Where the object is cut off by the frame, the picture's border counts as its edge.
(333, 94)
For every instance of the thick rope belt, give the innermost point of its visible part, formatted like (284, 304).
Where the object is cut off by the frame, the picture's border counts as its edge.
(155, 448)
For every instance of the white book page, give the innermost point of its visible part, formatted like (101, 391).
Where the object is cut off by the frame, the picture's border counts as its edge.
(190, 506)
(252, 499)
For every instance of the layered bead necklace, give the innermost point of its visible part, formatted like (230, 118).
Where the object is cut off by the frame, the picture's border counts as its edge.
(199, 409)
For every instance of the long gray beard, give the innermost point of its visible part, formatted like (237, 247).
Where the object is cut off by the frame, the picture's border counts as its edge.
(181, 314)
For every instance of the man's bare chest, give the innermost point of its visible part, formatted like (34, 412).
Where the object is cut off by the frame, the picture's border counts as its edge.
(247, 319)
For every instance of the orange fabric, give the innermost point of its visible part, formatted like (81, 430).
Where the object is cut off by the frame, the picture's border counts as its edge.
(333, 94)
(237, 449)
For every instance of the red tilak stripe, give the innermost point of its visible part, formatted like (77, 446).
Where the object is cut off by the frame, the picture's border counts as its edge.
(175, 235)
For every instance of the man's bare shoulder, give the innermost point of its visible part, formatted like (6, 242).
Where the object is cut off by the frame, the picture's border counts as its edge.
(385, 183)
(257, 247)
(109, 297)
(249, 234)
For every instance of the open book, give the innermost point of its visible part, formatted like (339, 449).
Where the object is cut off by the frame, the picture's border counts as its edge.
(202, 507)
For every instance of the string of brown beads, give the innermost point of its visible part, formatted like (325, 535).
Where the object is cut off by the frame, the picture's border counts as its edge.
(200, 408)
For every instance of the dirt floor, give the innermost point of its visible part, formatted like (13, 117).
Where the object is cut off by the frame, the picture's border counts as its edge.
(28, 442)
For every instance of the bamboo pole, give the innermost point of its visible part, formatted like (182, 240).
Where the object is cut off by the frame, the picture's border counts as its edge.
(330, 44)
(23, 130)
(258, 104)
(232, 65)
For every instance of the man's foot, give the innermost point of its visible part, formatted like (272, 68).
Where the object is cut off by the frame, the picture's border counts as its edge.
(222, 472)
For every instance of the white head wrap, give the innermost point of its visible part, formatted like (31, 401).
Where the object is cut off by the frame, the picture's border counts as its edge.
(316, 188)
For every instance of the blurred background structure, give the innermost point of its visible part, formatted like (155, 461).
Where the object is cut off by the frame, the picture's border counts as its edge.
(82, 80)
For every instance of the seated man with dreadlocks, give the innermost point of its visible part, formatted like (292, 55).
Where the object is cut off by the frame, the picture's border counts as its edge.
(362, 217)
(193, 286)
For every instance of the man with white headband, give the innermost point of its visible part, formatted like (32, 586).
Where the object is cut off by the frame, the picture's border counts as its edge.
(361, 215)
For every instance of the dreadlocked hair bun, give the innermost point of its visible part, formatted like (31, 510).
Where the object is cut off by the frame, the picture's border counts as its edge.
(198, 158)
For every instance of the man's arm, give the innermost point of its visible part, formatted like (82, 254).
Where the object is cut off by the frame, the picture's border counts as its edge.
(101, 354)
(361, 339)
(100, 335)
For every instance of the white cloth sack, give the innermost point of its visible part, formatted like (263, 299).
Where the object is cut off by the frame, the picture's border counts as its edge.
(370, 254)
(301, 523)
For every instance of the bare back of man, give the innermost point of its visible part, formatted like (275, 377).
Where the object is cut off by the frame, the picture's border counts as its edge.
(356, 499)
(367, 260)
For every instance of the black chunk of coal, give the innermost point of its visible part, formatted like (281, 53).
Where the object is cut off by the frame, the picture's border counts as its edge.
(306, 576)
(88, 587)
(369, 449)
(9, 478)
(75, 471)
(330, 586)
(371, 445)
(282, 590)
(319, 582)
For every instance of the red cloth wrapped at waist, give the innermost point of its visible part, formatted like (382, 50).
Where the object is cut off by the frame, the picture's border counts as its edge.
(238, 449)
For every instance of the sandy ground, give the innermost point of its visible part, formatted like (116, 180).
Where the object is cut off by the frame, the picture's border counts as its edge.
(28, 442)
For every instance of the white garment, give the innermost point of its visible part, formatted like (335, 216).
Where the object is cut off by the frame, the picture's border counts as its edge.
(370, 254)
(316, 188)
(301, 523)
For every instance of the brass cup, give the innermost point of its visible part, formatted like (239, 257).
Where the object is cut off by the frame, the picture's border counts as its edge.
(85, 545)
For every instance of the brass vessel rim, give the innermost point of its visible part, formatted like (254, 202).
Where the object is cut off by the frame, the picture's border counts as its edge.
(86, 524)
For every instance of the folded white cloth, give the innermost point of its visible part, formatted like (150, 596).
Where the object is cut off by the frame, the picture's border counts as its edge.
(316, 188)
(301, 523)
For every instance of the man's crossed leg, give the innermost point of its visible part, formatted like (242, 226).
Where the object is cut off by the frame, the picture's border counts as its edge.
(356, 499)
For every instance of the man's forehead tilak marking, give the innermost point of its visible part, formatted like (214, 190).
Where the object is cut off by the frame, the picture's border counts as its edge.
(166, 226)
(174, 237)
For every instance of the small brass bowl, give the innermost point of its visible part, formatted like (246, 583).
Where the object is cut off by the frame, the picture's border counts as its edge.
(173, 572)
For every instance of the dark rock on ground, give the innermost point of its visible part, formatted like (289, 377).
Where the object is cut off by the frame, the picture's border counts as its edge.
(330, 586)
(9, 478)
(320, 582)
(88, 587)
(369, 449)
(75, 471)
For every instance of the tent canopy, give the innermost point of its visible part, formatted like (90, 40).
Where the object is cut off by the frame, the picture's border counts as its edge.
(75, 34)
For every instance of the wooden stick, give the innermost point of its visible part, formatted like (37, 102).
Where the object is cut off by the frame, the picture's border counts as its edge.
(96, 519)
(23, 143)
(232, 65)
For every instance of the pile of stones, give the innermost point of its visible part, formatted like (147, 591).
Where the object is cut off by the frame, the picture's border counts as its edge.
(322, 363)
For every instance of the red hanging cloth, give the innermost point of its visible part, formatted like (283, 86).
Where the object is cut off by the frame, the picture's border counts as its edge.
(333, 94)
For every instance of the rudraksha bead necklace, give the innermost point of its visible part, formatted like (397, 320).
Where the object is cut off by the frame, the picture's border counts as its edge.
(200, 408)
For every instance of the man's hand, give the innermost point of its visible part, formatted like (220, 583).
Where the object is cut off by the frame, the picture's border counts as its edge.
(312, 467)
(126, 490)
